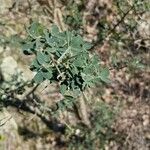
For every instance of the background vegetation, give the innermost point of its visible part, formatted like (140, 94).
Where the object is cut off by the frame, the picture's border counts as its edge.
(114, 37)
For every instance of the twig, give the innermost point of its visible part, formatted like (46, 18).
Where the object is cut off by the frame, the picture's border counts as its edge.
(1, 124)
(105, 41)
(27, 95)
(83, 109)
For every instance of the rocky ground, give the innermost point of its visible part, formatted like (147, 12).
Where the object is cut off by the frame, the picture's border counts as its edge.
(128, 91)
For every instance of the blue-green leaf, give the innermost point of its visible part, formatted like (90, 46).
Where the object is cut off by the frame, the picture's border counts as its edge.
(104, 74)
(28, 48)
(48, 74)
(63, 88)
(87, 45)
(42, 58)
(36, 30)
(38, 78)
(54, 30)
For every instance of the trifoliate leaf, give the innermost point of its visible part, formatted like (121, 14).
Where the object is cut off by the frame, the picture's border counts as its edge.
(38, 78)
(48, 74)
(42, 58)
(35, 65)
(36, 30)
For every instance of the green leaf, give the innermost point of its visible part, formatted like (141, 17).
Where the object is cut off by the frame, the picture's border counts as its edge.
(35, 65)
(54, 30)
(88, 80)
(48, 74)
(79, 61)
(61, 42)
(39, 44)
(76, 43)
(76, 92)
(36, 30)
(74, 69)
(63, 88)
(38, 78)
(95, 60)
(114, 60)
(42, 58)
(15, 40)
(50, 50)
(104, 75)
(28, 48)
(87, 45)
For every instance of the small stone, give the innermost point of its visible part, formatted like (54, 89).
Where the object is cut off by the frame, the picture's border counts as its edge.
(145, 117)
(3, 97)
(145, 120)
(8, 68)
(130, 99)
(111, 143)
(134, 113)
(106, 147)
(5, 5)
(1, 49)
(147, 136)
(77, 132)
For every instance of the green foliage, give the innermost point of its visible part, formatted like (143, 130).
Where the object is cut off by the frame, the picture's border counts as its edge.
(63, 58)
(12, 41)
(124, 28)
(135, 64)
(14, 87)
(140, 6)
(74, 14)
(102, 118)
(132, 63)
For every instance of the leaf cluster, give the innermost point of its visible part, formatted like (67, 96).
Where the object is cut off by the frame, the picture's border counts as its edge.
(102, 117)
(74, 14)
(63, 58)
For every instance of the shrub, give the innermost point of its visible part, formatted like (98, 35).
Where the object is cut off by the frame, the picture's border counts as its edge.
(63, 58)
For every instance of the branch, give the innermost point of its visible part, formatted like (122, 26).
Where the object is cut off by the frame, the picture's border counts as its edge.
(83, 109)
